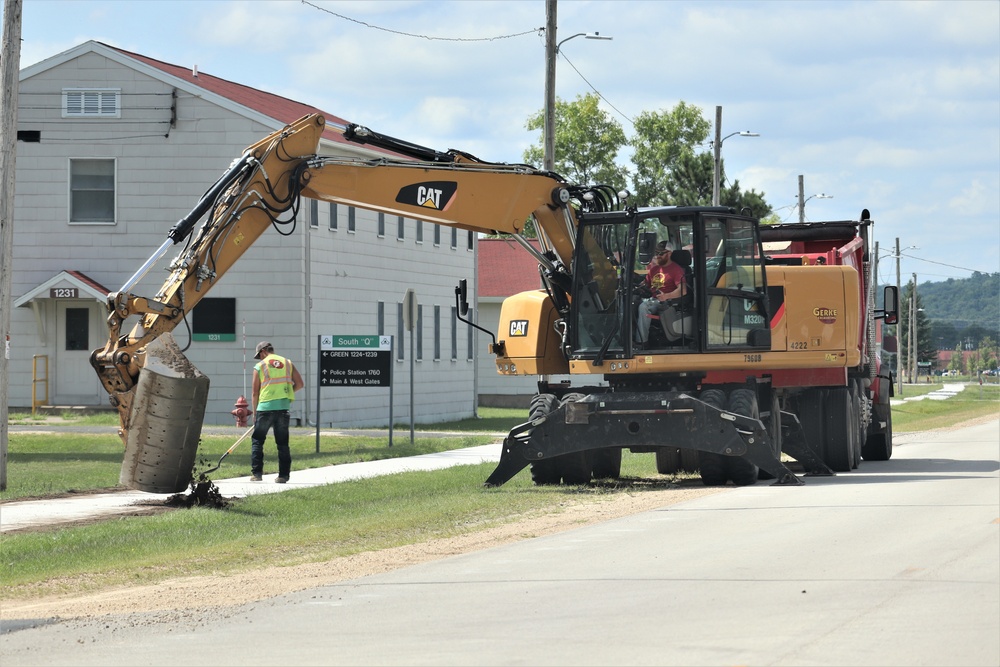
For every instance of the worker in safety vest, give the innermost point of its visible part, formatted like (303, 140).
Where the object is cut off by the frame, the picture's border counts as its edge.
(275, 381)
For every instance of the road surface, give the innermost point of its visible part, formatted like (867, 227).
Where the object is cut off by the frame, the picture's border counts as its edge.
(897, 563)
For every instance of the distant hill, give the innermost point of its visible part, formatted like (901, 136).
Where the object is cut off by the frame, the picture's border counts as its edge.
(960, 309)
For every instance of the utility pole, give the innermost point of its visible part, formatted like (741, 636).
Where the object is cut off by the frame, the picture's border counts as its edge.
(913, 329)
(899, 329)
(717, 145)
(549, 122)
(10, 63)
(802, 199)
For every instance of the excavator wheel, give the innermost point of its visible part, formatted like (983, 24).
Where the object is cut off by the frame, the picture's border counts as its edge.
(774, 432)
(607, 463)
(712, 466)
(840, 431)
(741, 471)
(576, 468)
(547, 470)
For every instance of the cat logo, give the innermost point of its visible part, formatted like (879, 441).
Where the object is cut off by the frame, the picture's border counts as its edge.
(518, 328)
(436, 195)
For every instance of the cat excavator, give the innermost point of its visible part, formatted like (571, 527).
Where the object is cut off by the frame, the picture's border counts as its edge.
(758, 341)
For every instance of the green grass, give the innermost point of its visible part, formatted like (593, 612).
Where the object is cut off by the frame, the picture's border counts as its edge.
(910, 390)
(293, 527)
(972, 402)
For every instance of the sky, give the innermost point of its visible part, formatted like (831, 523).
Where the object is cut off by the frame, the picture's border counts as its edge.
(889, 106)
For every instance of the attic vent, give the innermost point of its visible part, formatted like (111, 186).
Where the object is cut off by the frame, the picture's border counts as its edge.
(91, 102)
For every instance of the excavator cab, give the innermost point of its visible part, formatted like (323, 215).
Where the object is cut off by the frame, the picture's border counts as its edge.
(724, 305)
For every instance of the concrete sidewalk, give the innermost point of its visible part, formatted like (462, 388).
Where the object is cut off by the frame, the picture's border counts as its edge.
(945, 392)
(50, 512)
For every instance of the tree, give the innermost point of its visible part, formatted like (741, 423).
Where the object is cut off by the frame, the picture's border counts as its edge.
(587, 143)
(662, 139)
(957, 361)
(988, 352)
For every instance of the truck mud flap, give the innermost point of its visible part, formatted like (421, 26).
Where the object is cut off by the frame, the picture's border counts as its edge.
(638, 420)
(165, 421)
(793, 443)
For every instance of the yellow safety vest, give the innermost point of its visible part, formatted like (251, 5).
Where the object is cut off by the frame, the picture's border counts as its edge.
(275, 379)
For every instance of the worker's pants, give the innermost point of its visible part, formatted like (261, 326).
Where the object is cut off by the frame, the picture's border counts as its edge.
(278, 419)
(646, 308)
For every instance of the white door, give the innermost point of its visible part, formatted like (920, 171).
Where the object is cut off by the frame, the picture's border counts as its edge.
(74, 379)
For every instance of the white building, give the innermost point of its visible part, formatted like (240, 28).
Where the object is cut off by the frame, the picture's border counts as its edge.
(113, 148)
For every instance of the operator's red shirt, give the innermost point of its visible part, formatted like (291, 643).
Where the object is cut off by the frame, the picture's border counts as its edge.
(666, 278)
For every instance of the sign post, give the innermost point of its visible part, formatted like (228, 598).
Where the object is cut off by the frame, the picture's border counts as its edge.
(354, 360)
(410, 323)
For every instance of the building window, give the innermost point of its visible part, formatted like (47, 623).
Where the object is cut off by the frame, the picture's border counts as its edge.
(214, 319)
(437, 333)
(92, 191)
(454, 238)
(380, 318)
(77, 328)
(470, 245)
(420, 333)
(381, 223)
(399, 330)
(333, 217)
(313, 213)
(400, 228)
(420, 231)
(352, 221)
(91, 103)
(454, 334)
(437, 234)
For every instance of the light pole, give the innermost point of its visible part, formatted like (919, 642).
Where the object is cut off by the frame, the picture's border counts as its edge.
(802, 202)
(899, 327)
(551, 50)
(717, 145)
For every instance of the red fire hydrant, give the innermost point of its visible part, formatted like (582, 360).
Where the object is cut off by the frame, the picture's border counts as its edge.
(241, 412)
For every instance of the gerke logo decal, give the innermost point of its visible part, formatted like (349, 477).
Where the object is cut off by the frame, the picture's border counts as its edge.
(437, 195)
(518, 328)
(826, 315)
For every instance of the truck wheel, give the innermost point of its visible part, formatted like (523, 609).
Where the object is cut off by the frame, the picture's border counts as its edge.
(773, 432)
(856, 423)
(575, 468)
(689, 460)
(839, 430)
(741, 471)
(878, 446)
(712, 466)
(545, 471)
(668, 460)
(811, 409)
(607, 463)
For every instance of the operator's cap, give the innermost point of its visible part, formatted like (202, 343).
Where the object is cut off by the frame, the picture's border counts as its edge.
(261, 346)
(664, 245)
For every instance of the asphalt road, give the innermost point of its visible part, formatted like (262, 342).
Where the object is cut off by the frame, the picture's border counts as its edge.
(895, 564)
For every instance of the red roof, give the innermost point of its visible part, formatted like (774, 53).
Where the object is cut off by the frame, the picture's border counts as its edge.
(274, 106)
(505, 268)
(84, 278)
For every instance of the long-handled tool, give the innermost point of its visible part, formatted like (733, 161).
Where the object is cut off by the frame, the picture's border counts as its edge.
(230, 450)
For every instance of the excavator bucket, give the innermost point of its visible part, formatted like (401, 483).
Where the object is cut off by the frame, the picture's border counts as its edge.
(165, 421)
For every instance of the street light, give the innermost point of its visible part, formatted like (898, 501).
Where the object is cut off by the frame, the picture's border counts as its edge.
(802, 205)
(717, 145)
(899, 330)
(551, 49)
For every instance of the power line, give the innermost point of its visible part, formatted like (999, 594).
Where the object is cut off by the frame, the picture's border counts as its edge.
(428, 37)
(596, 91)
(950, 266)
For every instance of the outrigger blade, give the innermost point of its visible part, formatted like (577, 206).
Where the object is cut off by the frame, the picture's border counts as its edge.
(165, 421)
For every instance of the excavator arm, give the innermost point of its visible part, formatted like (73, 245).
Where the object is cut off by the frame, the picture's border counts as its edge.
(160, 396)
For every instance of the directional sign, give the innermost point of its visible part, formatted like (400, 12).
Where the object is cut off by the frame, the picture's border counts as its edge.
(355, 360)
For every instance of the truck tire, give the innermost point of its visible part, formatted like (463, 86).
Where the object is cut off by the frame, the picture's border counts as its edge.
(840, 430)
(878, 445)
(607, 463)
(712, 466)
(812, 418)
(575, 468)
(545, 471)
(741, 471)
(689, 460)
(856, 422)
